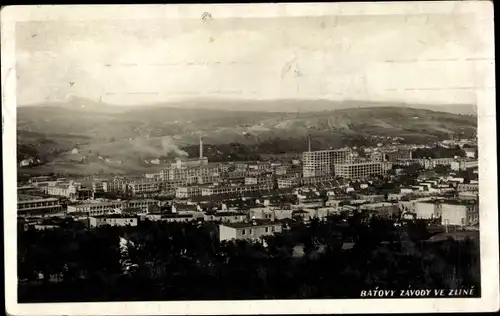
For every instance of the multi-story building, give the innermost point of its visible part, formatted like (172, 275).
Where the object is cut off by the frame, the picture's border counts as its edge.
(280, 157)
(288, 183)
(282, 170)
(456, 213)
(171, 218)
(99, 186)
(427, 209)
(29, 205)
(154, 176)
(468, 195)
(187, 192)
(190, 162)
(95, 209)
(236, 174)
(115, 185)
(145, 205)
(409, 162)
(399, 154)
(467, 164)
(209, 178)
(317, 180)
(259, 166)
(40, 179)
(84, 194)
(236, 189)
(433, 163)
(112, 220)
(190, 175)
(464, 187)
(28, 189)
(377, 156)
(252, 230)
(358, 170)
(321, 163)
(143, 186)
(258, 180)
(66, 190)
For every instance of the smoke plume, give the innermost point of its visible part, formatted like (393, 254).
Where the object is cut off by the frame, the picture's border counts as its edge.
(169, 146)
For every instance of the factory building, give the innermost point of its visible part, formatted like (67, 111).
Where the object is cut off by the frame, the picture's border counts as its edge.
(321, 163)
(359, 170)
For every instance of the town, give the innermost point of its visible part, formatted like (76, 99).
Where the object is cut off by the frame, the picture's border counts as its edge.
(332, 199)
(319, 184)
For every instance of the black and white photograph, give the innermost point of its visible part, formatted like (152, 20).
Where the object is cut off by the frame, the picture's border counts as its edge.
(319, 157)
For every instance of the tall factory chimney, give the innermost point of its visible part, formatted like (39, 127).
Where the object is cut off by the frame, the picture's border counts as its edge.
(309, 142)
(201, 147)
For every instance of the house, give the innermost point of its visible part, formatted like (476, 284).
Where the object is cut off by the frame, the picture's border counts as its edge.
(26, 162)
(252, 230)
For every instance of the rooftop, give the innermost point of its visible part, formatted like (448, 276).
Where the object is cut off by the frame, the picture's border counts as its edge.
(114, 216)
(98, 203)
(33, 198)
(226, 213)
(173, 215)
(253, 223)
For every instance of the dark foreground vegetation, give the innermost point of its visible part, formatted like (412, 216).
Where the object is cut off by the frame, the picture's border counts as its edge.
(336, 258)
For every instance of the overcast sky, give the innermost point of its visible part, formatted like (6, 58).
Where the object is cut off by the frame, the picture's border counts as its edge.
(427, 59)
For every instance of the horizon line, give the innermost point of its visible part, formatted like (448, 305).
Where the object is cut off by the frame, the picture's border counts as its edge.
(241, 99)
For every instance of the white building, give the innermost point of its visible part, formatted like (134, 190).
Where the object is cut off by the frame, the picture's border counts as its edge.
(459, 214)
(427, 210)
(258, 180)
(463, 187)
(95, 209)
(236, 189)
(288, 183)
(468, 195)
(252, 230)
(187, 192)
(359, 170)
(321, 163)
(144, 186)
(68, 190)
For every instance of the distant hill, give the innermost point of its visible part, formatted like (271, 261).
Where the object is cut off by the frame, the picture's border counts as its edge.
(147, 131)
(285, 105)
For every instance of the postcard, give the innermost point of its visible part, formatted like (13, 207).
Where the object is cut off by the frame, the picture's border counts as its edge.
(209, 159)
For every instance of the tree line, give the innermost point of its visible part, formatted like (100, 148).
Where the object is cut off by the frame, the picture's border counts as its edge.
(335, 258)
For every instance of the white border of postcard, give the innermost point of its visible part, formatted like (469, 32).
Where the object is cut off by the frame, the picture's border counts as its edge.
(487, 163)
